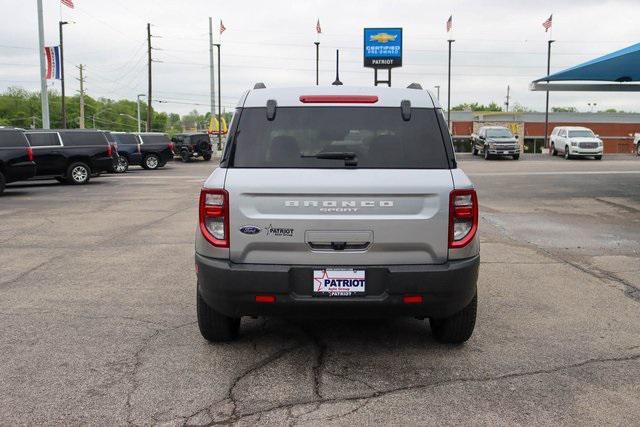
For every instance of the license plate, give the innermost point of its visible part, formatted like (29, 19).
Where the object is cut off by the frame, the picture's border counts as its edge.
(505, 152)
(339, 282)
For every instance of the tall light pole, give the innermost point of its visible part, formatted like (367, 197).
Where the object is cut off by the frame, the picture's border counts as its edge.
(63, 106)
(546, 108)
(44, 98)
(212, 83)
(138, 105)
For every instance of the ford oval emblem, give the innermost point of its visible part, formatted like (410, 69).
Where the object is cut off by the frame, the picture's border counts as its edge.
(250, 229)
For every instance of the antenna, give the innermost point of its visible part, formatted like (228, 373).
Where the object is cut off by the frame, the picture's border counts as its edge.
(337, 82)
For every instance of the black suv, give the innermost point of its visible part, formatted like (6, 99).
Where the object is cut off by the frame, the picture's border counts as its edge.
(191, 145)
(16, 157)
(71, 156)
(156, 149)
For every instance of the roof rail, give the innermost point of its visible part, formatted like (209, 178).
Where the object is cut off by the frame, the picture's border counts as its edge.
(415, 86)
(259, 85)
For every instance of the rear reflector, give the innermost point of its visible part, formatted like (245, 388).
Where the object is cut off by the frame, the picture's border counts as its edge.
(339, 99)
(268, 299)
(412, 299)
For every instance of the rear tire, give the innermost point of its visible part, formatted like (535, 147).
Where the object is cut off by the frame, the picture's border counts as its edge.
(214, 326)
(638, 149)
(3, 183)
(458, 328)
(150, 162)
(78, 174)
(516, 157)
(597, 157)
(206, 157)
(123, 165)
(184, 155)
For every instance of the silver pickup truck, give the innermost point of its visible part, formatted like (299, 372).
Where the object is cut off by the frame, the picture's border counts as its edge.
(338, 202)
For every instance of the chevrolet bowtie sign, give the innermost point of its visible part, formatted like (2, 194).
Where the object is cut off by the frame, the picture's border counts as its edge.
(383, 47)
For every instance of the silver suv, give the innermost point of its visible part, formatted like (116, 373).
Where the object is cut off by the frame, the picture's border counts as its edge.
(338, 202)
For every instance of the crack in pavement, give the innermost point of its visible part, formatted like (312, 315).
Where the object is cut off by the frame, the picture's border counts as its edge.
(391, 391)
(629, 290)
(6, 285)
(137, 363)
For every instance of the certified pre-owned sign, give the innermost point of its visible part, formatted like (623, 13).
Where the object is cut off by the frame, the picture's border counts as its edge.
(383, 47)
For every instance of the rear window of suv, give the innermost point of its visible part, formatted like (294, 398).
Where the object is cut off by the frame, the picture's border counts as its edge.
(74, 139)
(155, 139)
(125, 138)
(377, 136)
(13, 138)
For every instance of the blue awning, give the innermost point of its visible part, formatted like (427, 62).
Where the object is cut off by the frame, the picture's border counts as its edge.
(620, 66)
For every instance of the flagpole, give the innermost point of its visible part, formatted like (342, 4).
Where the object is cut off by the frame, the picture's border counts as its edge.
(44, 98)
(450, 41)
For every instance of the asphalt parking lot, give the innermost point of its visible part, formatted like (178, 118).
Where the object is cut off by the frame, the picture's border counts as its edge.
(98, 320)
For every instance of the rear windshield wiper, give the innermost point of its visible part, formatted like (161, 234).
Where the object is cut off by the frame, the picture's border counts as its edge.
(349, 157)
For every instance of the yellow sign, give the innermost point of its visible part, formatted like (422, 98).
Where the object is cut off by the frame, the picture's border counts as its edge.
(215, 128)
(383, 37)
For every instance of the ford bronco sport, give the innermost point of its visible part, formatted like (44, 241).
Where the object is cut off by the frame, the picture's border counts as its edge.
(338, 202)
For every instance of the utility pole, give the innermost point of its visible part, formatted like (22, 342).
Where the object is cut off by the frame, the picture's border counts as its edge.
(546, 108)
(317, 62)
(44, 96)
(507, 101)
(149, 111)
(212, 83)
(64, 107)
(450, 41)
(81, 80)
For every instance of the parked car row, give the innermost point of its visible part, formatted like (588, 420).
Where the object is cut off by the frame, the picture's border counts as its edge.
(570, 141)
(73, 156)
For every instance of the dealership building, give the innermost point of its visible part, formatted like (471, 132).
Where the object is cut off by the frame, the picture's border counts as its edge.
(615, 129)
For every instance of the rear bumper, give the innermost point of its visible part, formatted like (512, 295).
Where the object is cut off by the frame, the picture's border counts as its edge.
(102, 164)
(20, 171)
(231, 289)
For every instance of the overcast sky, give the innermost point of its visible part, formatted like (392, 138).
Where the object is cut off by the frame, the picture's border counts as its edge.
(498, 43)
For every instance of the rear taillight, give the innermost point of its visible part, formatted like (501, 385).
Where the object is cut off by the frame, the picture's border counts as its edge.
(30, 154)
(463, 217)
(170, 146)
(109, 150)
(214, 216)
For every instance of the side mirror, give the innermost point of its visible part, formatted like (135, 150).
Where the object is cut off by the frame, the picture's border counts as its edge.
(597, 136)
(481, 137)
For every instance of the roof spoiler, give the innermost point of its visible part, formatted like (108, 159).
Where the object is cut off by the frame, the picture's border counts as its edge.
(259, 85)
(415, 86)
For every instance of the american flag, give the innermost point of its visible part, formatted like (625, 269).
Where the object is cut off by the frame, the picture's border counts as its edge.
(68, 3)
(449, 23)
(547, 24)
(222, 27)
(318, 29)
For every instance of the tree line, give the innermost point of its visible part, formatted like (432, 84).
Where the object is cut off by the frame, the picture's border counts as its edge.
(22, 108)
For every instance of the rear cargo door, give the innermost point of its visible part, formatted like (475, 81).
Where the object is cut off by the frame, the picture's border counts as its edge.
(339, 186)
(339, 217)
